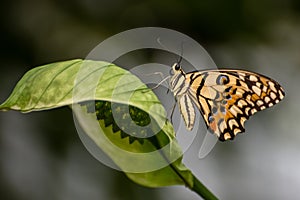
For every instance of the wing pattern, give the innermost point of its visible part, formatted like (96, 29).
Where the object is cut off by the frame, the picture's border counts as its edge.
(226, 98)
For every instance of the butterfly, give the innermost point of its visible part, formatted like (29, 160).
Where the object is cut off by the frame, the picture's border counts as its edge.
(226, 98)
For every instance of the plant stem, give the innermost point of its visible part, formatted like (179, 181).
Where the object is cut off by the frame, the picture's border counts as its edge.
(201, 190)
(197, 186)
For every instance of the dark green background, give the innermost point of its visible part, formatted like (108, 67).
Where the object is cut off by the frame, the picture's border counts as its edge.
(41, 155)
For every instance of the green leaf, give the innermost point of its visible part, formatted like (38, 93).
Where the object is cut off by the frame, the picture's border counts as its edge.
(116, 111)
(147, 163)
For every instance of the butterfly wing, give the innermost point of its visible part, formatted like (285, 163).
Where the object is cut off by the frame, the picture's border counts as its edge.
(227, 98)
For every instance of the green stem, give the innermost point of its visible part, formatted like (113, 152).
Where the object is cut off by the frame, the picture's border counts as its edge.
(201, 190)
(197, 186)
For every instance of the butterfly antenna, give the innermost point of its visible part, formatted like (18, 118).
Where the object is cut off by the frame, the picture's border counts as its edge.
(181, 54)
(161, 44)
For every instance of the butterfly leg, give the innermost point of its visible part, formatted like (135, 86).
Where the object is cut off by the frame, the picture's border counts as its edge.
(172, 112)
(161, 82)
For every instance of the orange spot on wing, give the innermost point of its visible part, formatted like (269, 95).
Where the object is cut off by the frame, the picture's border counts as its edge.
(254, 97)
(263, 94)
(213, 126)
(228, 115)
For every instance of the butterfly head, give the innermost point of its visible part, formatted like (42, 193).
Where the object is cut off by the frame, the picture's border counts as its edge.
(176, 69)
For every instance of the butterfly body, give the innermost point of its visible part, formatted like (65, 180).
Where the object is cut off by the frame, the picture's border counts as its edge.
(226, 98)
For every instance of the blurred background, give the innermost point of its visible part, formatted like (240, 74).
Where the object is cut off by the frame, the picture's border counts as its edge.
(41, 155)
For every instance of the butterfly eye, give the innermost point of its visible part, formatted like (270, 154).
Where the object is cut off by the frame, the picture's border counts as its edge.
(176, 67)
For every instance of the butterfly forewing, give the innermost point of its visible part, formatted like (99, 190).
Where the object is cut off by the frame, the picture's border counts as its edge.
(227, 98)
